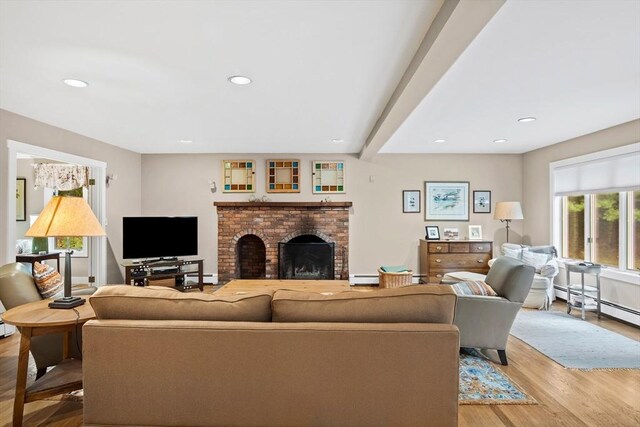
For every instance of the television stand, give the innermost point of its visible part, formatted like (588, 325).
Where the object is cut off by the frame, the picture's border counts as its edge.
(164, 272)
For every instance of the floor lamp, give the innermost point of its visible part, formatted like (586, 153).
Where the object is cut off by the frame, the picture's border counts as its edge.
(507, 212)
(66, 216)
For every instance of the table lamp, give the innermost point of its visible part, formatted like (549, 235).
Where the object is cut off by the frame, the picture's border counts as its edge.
(508, 211)
(66, 216)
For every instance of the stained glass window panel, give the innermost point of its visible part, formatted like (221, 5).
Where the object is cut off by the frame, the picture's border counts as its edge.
(238, 176)
(328, 177)
(283, 175)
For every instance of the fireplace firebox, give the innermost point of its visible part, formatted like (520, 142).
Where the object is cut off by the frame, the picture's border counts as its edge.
(306, 257)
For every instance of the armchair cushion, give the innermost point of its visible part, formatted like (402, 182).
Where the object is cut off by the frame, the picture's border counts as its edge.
(537, 260)
(48, 280)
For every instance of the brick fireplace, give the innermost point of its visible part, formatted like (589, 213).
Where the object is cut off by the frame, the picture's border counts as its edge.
(249, 234)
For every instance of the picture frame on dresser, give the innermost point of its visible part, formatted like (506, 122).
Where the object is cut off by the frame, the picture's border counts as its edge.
(475, 232)
(432, 232)
(446, 200)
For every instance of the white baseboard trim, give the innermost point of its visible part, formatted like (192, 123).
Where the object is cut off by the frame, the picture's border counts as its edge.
(372, 279)
(609, 309)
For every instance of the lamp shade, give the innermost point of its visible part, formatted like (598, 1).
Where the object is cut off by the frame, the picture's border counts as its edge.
(508, 210)
(66, 217)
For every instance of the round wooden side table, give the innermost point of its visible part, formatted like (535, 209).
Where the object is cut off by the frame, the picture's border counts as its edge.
(35, 319)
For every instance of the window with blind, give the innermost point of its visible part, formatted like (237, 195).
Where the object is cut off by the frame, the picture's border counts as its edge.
(596, 207)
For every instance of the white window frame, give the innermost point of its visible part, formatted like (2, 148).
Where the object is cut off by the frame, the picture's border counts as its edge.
(557, 220)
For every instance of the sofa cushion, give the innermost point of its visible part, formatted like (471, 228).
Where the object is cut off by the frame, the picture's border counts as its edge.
(473, 287)
(137, 303)
(407, 304)
(48, 280)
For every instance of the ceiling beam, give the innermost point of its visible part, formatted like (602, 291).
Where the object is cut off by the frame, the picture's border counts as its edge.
(455, 26)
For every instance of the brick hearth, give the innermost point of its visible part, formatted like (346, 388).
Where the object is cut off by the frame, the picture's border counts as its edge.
(274, 222)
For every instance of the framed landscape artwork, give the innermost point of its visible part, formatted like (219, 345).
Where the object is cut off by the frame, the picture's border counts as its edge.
(446, 201)
(328, 177)
(283, 176)
(482, 201)
(238, 176)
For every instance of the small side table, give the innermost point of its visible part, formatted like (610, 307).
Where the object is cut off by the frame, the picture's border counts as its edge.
(33, 258)
(35, 319)
(582, 289)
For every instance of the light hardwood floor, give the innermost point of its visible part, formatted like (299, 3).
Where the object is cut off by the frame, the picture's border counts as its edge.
(566, 397)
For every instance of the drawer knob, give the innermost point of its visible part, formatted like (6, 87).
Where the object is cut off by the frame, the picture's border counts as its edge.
(480, 261)
(480, 248)
(437, 260)
(439, 248)
(438, 275)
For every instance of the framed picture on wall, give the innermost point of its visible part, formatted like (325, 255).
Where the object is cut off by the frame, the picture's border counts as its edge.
(21, 199)
(446, 201)
(482, 201)
(411, 201)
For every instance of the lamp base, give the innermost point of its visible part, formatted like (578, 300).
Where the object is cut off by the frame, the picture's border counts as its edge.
(66, 302)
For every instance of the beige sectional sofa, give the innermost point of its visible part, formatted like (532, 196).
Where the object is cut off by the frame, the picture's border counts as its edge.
(380, 358)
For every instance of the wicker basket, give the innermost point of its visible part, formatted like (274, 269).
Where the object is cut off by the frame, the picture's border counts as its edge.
(394, 280)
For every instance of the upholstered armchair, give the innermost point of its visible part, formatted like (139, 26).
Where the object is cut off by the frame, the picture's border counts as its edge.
(18, 287)
(485, 321)
(544, 260)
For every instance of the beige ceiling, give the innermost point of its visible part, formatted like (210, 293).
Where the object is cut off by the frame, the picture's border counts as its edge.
(388, 76)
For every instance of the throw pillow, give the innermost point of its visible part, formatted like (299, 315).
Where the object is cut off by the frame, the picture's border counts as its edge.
(474, 287)
(513, 253)
(48, 280)
(535, 259)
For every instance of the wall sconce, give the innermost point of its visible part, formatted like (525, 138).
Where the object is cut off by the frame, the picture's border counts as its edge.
(212, 186)
(111, 178)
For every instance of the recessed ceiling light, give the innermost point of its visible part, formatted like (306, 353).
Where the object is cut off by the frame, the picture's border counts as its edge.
(75, 83)
(185, 141)
(440, 140)
(527, 119)
(239, 80)
(499, 140)
(337, 141)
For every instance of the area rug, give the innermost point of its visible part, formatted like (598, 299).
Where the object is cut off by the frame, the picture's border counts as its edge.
(574, 343)
(482, 384)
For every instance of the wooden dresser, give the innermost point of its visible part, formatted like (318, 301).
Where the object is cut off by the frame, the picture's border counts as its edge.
(439, 257)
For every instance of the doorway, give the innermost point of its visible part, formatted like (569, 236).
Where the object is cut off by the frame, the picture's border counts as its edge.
(97, 247)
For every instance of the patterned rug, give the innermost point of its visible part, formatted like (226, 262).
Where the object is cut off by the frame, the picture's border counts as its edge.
(481, 383)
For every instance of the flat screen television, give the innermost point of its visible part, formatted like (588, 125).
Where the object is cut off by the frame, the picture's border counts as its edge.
(159, 236)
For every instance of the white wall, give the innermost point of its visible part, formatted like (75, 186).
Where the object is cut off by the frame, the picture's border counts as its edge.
(177, 184)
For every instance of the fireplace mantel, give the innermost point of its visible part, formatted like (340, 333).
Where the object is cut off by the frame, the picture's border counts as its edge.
(284, 204)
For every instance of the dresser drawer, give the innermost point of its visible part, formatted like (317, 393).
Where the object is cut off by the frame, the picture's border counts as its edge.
(459, 247)
(457, 261)
(435, 248)
(480, 247)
